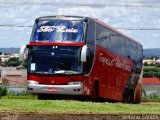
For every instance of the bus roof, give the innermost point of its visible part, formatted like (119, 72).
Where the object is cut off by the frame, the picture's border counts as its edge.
(63, 17)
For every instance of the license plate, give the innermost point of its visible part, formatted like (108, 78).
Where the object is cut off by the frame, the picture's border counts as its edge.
(52, 89)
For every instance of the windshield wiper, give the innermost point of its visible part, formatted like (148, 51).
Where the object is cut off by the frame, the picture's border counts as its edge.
(43, 73)
(67, 72)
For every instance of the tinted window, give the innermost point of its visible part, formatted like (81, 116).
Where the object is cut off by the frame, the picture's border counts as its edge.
(102, 32)
(127, 48)
(109, 39)
(90, 40)
(118, 44)
(58, 31)
(133, 53)
(103, 36)
(55, 59)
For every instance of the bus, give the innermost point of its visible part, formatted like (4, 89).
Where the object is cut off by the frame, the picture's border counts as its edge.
(83, 56)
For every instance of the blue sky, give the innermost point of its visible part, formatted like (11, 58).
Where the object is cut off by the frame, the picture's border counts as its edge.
(134, 14)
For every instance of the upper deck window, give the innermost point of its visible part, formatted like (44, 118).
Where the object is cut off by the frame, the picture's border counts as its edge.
(58, 31)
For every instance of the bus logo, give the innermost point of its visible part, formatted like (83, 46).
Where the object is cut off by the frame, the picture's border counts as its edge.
(57, 28)
(115, 62)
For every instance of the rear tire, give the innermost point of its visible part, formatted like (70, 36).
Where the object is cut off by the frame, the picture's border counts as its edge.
(138, 94)
(128, 96)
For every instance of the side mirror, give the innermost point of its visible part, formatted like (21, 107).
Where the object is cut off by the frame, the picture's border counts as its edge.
(21, 53)
(84, 53)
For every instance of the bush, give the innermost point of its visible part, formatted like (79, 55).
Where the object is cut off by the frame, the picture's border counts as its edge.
(150, 70)
(20, 95)
(3, 91)
(25, 63)
(154, 97)
(149, 74)
(12, 62)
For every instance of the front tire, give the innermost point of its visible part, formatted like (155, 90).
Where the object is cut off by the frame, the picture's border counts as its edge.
(42, 96)
(95, 96)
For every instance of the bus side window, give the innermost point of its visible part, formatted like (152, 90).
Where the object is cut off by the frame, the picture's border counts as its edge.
(90, 40)
(127, 51)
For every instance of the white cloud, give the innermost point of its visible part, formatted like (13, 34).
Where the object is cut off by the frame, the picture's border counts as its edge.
(157, 23)
(156, 35)
(135, 17)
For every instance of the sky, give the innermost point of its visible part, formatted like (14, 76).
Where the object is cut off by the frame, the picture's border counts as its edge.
(139, 19)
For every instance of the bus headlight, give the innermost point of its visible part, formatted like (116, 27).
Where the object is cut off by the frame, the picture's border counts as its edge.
(32, 82)
(74, 83)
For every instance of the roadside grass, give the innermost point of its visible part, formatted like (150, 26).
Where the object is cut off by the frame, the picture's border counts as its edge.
(22, 95)
(31, 104)
(154, 97)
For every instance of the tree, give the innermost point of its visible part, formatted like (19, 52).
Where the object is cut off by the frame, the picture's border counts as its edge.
(12, 62)
(0, 62)
(25, 63)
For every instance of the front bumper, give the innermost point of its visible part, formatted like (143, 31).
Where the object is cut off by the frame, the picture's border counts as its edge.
(55, 89)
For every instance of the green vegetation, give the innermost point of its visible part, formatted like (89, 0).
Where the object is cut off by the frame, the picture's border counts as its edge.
(25, 63)
(151, 71)
(12, 62)
(3, 91)
(29, 103)
(73, 107)
(20, 96)
(154, 97)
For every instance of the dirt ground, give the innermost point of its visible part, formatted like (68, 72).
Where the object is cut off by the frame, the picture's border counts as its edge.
(150, 103)
(21, 115)
(42, 116)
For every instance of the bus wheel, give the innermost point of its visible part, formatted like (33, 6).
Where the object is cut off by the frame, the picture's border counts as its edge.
(42, 96)
(128, 96)
(95, 96)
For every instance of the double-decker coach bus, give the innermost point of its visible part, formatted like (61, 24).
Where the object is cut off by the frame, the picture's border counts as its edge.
(73, 55)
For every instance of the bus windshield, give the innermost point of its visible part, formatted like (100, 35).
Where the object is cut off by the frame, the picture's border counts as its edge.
(58, 31)
(55, 60)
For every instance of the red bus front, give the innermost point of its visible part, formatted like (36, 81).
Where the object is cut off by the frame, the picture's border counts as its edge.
(55, 56)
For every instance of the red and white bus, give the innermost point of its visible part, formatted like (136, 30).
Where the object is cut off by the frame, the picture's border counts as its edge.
(73, 55)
